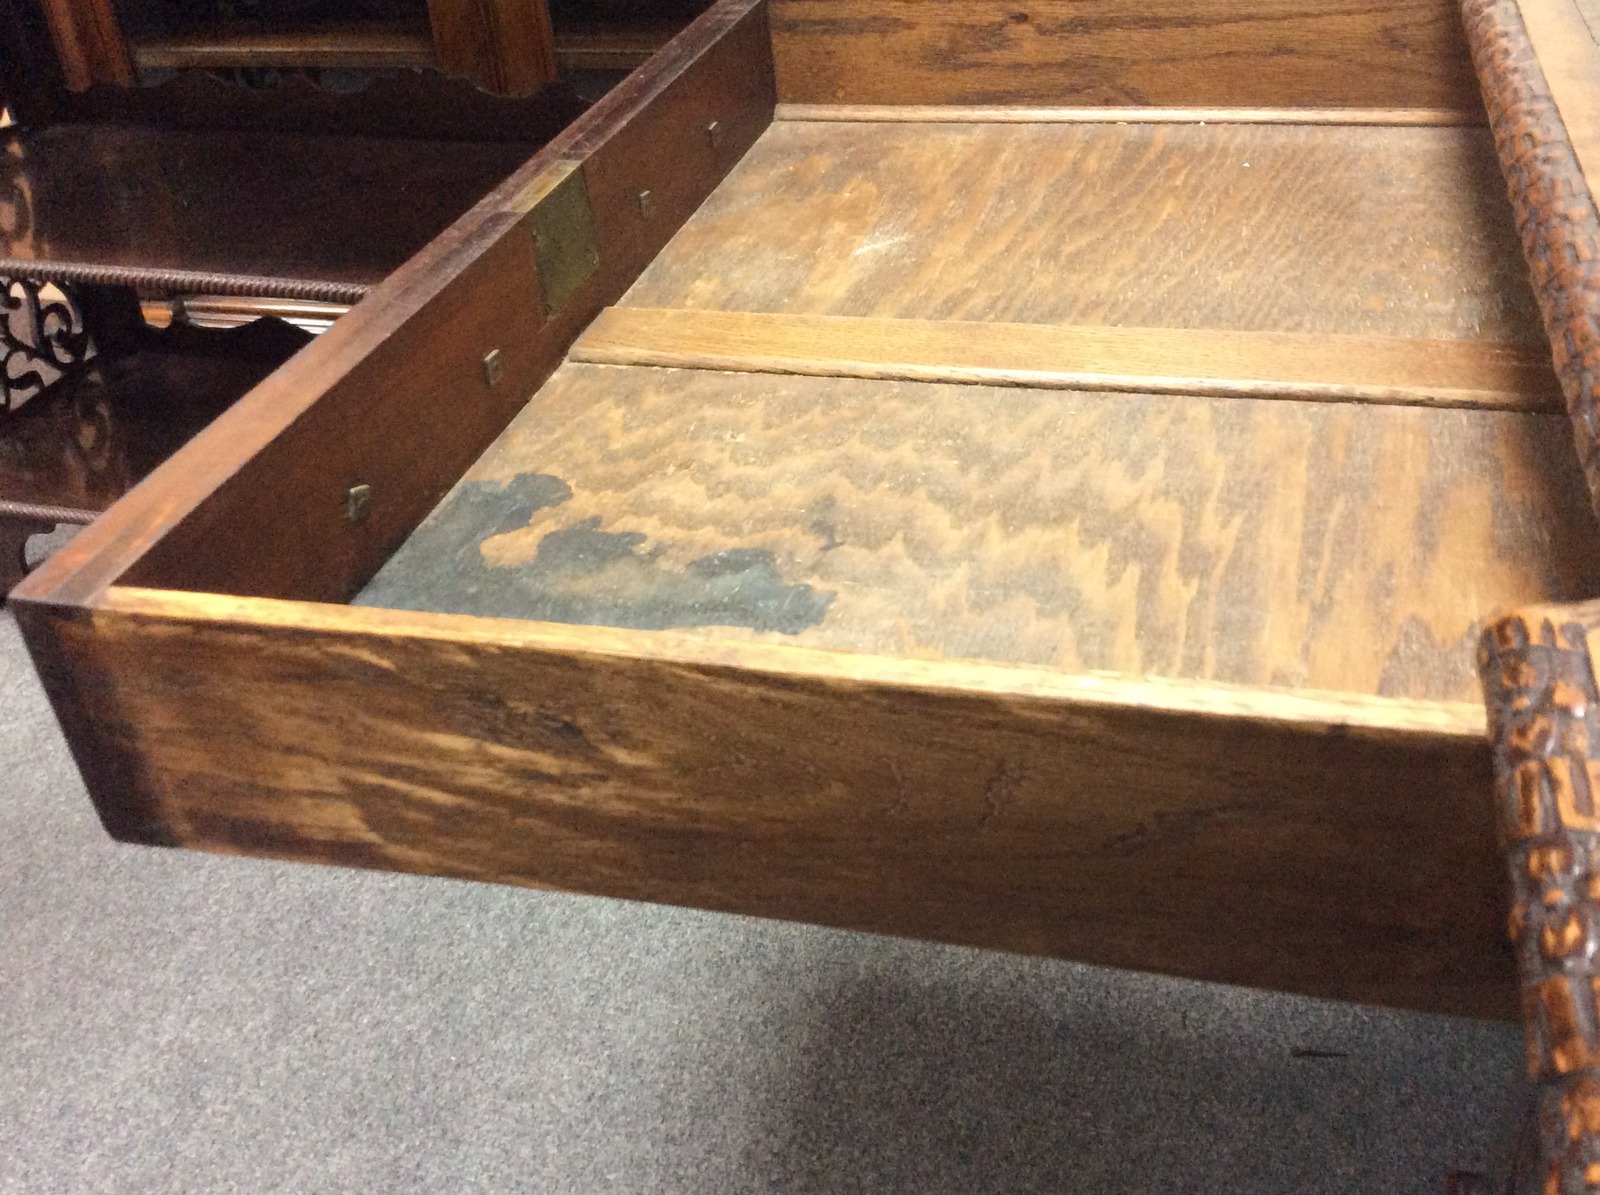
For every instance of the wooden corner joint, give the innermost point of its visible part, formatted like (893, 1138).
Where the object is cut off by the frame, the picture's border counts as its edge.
(1544, 723)
(1554, 207)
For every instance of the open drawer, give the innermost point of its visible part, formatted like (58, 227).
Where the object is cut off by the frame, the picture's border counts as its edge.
(1025, 476)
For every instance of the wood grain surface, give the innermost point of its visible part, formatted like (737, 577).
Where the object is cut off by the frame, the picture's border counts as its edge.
(1167, 53)
(1462, 373)
(1299, 545)
(1386, 231)
(931, 801)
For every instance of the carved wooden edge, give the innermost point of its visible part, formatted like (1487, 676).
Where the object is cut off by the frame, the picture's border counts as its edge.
(193, 282)
(1536, 665)
(1544, 724)
(1555, 211)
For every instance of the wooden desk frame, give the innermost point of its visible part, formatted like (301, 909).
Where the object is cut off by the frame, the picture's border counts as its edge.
(217, 693)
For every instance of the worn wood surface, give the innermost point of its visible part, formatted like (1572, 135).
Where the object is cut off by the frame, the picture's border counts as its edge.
(1166, 53)
(941, 802)
(1539, 683)
(1387, 231)
(1300, 545)
(504, 46)
(1019, 114)
(347, 410)
(1466, 373)
(88, 42)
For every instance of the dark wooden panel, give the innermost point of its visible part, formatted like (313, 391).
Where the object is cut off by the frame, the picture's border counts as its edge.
(30, 70)
(371, 45)
(348, 209)
(615, 41)
(86, 442)
(1169, 53)
(394, 395)
(88, 43)
(408, 103)
(503, 46)
(1383, 231)
(989, 806)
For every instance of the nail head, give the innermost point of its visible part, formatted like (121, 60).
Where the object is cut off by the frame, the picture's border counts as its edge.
(357, 502)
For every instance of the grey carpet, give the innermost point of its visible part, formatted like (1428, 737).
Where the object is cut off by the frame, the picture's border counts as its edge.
(179, 1023)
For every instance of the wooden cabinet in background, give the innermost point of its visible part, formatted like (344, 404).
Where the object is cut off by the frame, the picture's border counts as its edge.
(505, 47)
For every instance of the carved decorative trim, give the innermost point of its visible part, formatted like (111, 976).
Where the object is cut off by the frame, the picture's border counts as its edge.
(188, 282)
(1544, 715)
(42, 339)
(1554, 210)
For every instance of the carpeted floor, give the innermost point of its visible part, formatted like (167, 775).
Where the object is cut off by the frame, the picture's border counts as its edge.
(179, 1023)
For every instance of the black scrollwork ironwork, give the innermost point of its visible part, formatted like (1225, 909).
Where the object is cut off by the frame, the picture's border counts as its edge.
(42, 338)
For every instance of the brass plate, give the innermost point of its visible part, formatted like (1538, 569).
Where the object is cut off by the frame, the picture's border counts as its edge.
(564, 238)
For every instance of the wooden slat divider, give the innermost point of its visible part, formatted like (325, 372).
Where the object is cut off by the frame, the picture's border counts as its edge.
(1004, 114)
(1465, 373)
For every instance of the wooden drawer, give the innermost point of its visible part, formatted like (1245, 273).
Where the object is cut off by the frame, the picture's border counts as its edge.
(1029, 477)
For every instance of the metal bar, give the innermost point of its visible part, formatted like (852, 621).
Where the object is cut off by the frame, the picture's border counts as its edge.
(46, 514)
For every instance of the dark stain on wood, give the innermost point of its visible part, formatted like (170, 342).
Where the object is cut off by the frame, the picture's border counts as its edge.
(581, 573)
(1066, 530)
